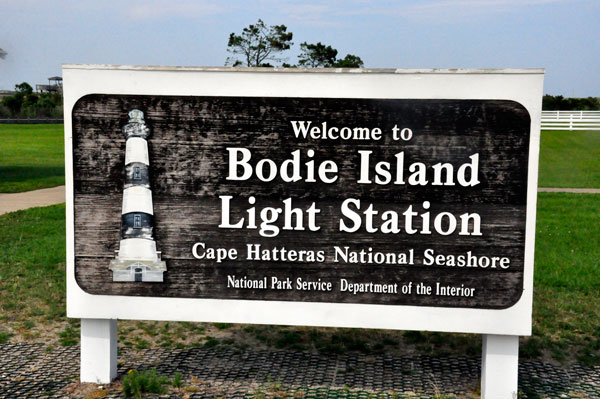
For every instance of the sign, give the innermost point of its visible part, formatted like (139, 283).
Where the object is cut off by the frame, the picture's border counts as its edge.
(386, 198)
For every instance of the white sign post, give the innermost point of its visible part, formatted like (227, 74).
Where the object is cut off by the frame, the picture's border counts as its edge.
(507, 100)
(98, 350)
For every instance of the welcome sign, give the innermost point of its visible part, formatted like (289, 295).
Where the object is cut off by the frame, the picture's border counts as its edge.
(394, 199)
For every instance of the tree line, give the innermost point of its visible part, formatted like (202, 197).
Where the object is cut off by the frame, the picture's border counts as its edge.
(560, 103)
(27, 104)
(260, 45)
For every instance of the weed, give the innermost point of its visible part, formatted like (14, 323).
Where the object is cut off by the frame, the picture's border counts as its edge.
(28, 324)
(289, 339)
(102, 393)
(142, 344)
(177, 380)
(191, 389)
(5, 336)
(414, 337)
(135, 383)
(262, 338)
(590, 355)
(69, 336)
(531, 348)
(196, 328)
(211, 342)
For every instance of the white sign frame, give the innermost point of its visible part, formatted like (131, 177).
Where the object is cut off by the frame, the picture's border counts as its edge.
(521, 85)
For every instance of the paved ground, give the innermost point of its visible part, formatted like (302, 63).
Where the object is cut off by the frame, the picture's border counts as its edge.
(31, 371)
(569, 190)
(30, 199)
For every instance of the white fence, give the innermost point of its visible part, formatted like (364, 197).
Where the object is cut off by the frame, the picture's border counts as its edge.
(570, 120)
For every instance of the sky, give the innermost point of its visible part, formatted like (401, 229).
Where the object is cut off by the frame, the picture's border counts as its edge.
(562, 36)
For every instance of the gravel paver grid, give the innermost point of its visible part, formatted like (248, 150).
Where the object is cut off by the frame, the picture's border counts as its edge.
(31, 371)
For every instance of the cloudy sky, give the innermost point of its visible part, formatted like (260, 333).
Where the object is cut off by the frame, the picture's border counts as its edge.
(562, 36)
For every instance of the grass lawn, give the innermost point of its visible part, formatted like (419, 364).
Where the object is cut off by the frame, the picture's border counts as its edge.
(566, 301)
(566, 310)
(570, 159)
(31, 157)
(32, 270)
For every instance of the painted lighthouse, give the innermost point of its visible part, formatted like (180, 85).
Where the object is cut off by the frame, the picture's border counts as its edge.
(137, 258)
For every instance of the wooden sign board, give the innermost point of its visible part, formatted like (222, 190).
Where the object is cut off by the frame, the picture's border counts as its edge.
(381, 199)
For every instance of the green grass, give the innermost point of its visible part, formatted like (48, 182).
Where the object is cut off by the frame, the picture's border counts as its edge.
(32, 265)
(570, 159)
(568, 242)
(566, 312)
(566, 309)
(31, 157)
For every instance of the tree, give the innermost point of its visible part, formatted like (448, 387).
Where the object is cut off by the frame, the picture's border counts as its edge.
(322, 56)
(317, 55)
(350, 61)
(23, 94)
(560, 103)
(27, 104)
(3, 54)
(258, 43)
(24, 89)
(13, 103)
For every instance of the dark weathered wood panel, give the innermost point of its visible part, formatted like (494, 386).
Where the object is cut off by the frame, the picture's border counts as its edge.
(204, 280)
(189, 165)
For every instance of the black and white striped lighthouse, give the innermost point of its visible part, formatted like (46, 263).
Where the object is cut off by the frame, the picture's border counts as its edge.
(137, 258)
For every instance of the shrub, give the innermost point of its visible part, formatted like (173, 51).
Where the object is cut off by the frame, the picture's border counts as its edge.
(27, 104)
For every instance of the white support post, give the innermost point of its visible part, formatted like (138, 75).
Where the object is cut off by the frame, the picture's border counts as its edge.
(98, 350)
(500, 367)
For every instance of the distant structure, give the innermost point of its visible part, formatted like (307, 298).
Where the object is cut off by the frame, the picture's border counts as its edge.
(6, 93)
(137, 259)
(54, 86)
